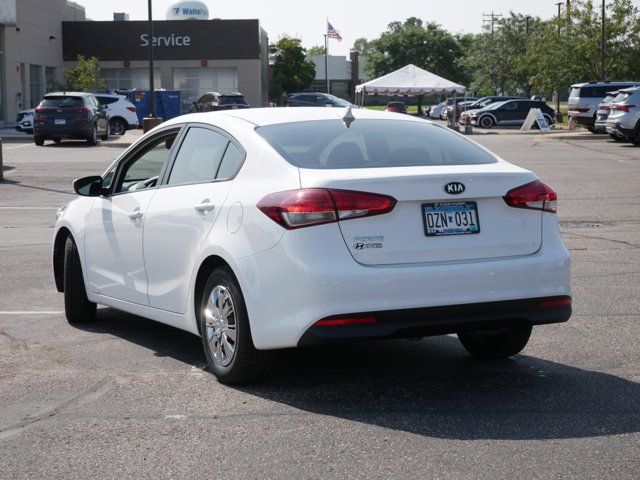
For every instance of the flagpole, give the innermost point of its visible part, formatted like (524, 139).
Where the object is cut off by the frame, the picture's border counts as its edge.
(326, 61)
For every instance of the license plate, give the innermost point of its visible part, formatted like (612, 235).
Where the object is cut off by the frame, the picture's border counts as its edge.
(450, 218)
(60, 121)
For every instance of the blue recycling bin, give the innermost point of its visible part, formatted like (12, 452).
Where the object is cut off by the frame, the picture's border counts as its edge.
(167, 103)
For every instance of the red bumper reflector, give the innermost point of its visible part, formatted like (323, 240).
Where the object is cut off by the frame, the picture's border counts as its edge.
(562, 302)
(332, 322)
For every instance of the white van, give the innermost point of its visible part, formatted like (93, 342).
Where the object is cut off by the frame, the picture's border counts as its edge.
(585, 97)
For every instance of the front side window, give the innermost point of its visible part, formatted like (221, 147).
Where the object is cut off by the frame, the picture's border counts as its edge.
(143, 170)
(511, 106)
(326, 144)
(199, 156)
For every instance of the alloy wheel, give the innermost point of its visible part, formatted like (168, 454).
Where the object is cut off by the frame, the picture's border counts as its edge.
(220, 320)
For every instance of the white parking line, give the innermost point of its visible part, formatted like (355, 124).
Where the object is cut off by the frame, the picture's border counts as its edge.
(19, 146)
(29, 208)
(31, 312)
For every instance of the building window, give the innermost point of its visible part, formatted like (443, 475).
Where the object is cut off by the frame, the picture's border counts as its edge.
(35, 83)
(129, 78)
(195, 82)
(51, 79)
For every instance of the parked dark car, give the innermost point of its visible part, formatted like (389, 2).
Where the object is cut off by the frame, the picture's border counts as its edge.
(213, 101)
(315, 100)
(486, 101)
(75, 115)
(511, 112)
(396, 107)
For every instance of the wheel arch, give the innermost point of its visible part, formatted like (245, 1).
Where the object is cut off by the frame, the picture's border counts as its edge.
(206, 267)
(122, 119)
(58, 256)
(492, 116)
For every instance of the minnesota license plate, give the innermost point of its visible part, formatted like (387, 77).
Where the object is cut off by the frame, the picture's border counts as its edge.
(450, 218)
(60, 121)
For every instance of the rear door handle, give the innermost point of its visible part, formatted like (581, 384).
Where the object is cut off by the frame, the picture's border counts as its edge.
(205, 207)
(136, 214)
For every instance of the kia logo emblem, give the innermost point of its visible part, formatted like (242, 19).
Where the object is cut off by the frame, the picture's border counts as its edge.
(454, 188)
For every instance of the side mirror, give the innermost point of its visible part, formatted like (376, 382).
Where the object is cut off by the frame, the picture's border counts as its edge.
(88, 186)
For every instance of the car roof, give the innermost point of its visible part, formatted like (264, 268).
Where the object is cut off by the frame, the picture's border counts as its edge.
(629, 90)
(270, 116)
(68, 94)
(599, 84)
(112, 95)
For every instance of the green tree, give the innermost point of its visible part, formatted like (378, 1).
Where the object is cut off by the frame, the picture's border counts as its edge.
(85, 76)
(291, 70)
(315, 50)
(362, 46)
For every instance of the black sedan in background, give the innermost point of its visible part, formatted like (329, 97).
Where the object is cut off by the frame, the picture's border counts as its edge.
(315, 100)
(75, 115)
(511, 112)
(214, 101)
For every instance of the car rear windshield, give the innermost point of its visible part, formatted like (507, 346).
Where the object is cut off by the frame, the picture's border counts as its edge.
(326, 144)
(62, 102)
(396, 104)
(232, 100)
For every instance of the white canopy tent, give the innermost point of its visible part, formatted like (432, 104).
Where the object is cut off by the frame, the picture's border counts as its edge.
(409, 80)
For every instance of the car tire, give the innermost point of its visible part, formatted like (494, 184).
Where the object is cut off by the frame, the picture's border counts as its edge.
(117, 127)
(636, 138)
(107, 134)
(92, 139)
(77, 307)
(592, 129)
(39, 141)
(226, 335)
(492, 345)
(486, 122)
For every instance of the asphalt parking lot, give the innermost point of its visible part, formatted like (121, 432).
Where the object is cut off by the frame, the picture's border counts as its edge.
(125, 397)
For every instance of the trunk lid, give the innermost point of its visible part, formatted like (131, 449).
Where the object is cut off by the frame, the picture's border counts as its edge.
(399, 237)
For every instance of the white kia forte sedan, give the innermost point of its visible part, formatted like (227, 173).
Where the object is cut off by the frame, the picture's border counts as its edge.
(263, 229)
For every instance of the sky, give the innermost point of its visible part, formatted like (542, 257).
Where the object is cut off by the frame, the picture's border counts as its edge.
(354, 19)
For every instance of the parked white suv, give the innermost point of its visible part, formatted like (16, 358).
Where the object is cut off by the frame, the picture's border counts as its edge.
(122, 113)
(585, 98)
(625, 115)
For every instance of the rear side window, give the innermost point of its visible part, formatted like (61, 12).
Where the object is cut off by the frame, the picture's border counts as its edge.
(199, 156)
(107, 100)
(231, 162)
(232, 100)
(326, 144)
(62, 101)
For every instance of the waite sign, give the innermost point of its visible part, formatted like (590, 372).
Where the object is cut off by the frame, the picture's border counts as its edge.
(172, 40)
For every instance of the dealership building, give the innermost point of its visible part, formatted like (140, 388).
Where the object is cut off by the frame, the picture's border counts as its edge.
(192, 53)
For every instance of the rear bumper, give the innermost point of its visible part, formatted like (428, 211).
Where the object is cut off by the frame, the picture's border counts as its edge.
(310, 275)
(421, 322)
(68, 132)
(582, 118)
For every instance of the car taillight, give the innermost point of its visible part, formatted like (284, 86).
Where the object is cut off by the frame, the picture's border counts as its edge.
(81, 110)
(536, 195)
(315, 206)
(624, 108)
(131, 109)
(40, 110)
(604, 107)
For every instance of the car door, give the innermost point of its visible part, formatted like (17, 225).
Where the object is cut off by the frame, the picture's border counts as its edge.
(100, 114)
(508, 113)
(184, 210)
(113, 233)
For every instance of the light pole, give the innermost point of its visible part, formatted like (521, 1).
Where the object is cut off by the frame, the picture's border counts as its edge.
(604, 16)
(152, 120)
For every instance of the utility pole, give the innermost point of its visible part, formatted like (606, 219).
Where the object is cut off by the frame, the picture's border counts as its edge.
(152, 120)
(490, 18)
(568, 9)
(528, 20)
(604, 17)
(326, 61)
(559, 4)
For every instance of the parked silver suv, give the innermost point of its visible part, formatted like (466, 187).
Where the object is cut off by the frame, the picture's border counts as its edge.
(625, 115)
(585, 97)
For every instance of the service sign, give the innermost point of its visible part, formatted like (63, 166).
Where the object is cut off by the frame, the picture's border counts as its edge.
(172, 40)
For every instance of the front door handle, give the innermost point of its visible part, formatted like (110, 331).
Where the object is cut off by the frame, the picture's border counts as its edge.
(205, 207)
(136, 214)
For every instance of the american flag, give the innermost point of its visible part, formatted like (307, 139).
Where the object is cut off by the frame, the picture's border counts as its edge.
(333, 33)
